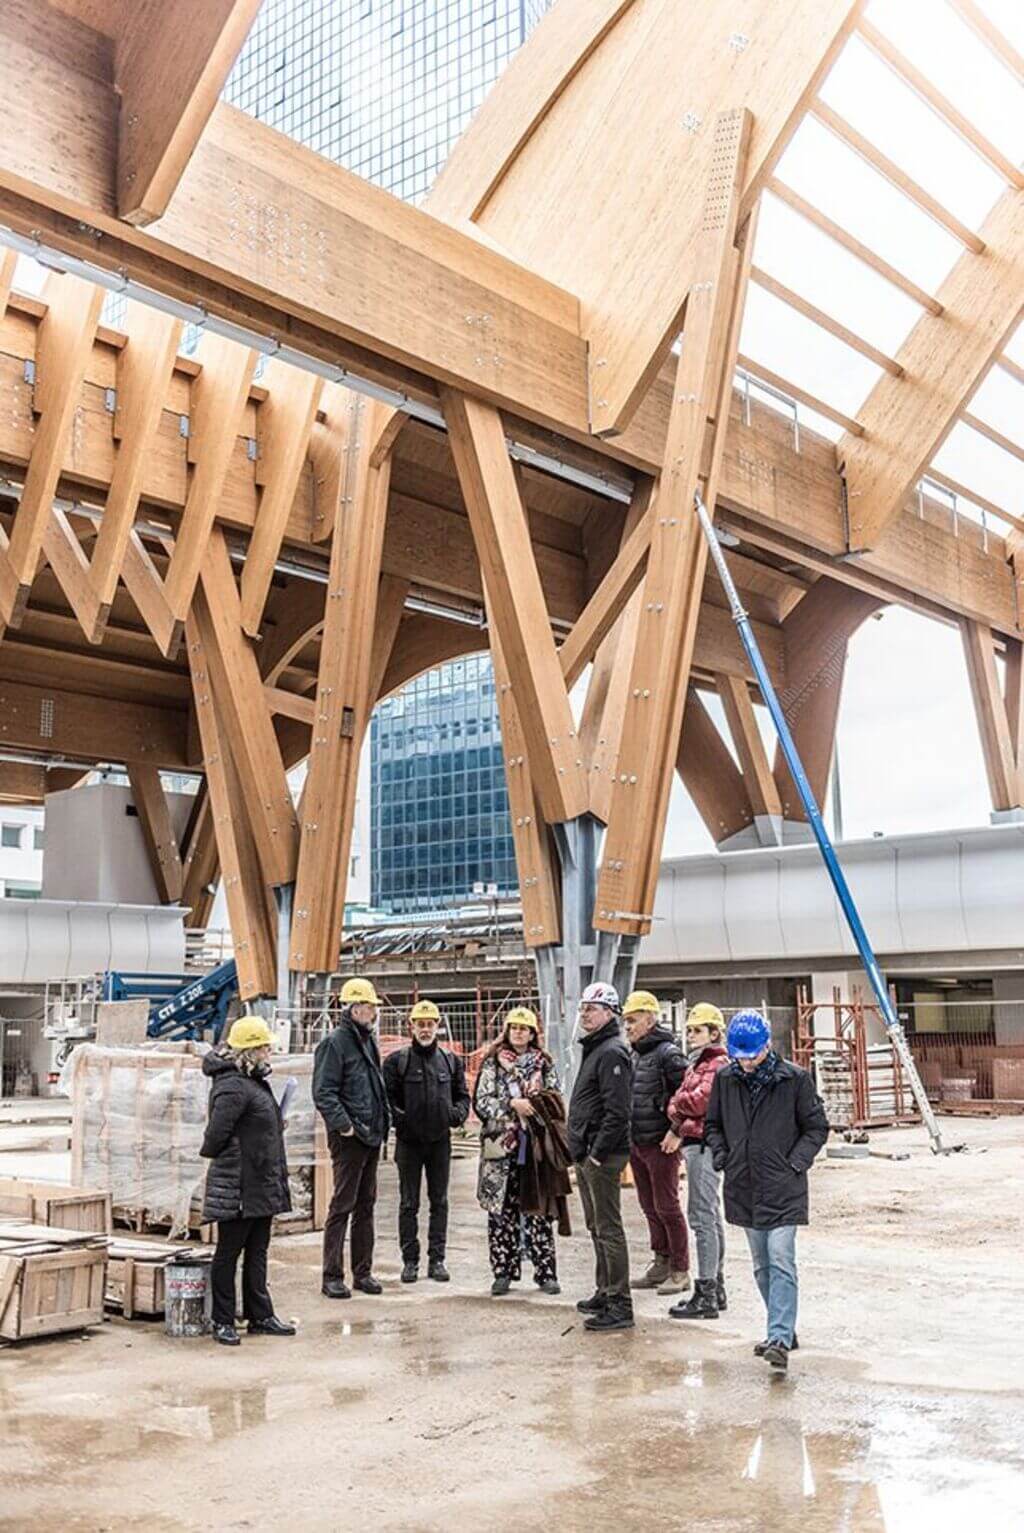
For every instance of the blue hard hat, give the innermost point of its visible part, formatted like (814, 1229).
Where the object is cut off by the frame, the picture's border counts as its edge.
(748, 1034)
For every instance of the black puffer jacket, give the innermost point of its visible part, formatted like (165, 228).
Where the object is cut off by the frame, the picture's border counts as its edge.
(426, 1092)
(658, 1069)
(601, 1095)
(348, 1086)
(244, 1141)
(765, 1150)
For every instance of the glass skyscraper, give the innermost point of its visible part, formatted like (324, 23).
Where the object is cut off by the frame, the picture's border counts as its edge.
(385, 87)
(439, 820)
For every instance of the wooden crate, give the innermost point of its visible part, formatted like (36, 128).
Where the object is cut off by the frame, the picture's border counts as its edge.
(135, 1275)
(50, 1281)
(55, 1203)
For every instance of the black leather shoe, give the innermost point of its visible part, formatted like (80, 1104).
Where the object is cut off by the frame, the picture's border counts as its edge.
(550, 1285)
(271, 1327)
(227, 1336)
(438, 1273)
(617, 1315)
(500, 1286)
(367, 1285)
(762, 1347)
(336, 1288)
(410, 1273)
(594, 1305)
(776, 1355)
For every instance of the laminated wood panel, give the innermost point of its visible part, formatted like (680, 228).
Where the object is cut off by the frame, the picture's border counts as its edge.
(670, 596)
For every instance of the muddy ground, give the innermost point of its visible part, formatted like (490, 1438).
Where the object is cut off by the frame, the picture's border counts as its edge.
(435, 1408)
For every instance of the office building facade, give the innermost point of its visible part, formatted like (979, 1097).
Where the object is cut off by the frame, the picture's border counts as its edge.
(383, 87)
(439, 820)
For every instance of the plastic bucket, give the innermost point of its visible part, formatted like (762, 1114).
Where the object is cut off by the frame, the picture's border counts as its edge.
(188, 1297)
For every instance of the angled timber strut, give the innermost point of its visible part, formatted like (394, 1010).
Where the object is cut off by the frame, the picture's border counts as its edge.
(480, 424)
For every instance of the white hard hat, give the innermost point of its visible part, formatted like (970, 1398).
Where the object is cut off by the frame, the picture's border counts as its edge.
(600, 994)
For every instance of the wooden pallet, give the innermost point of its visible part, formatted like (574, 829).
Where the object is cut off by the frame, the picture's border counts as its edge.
(55, 1203)
(51, 1280)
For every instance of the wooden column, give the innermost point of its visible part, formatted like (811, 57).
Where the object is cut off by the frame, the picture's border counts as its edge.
(998, 714)
(235, 679)
(155, 820)
(709, 773)
(343, 703)
(518, 610)
(816, 634)
(672, 587)
(605, 705)
(200, 863)
(252, 927)
(758, 781)
(535, 865)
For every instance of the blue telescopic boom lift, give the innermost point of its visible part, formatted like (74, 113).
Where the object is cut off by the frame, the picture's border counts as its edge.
(817, 824)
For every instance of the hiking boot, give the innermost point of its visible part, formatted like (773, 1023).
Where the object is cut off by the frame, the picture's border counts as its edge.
(616, 1316)
(676, 1282)
(702, 1306)
(226, 1335)
(438, 1272)
(776, 1355)
(656, 1274)
(367, 1285)
(271, 1327)
(720, 1293)
(762, 1346)
(335, 1288)
(500, 1286)
(594, 1305)
(410, 1272)
(550, 1285)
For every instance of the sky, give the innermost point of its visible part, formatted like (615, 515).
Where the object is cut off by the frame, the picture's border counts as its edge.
(909, 755)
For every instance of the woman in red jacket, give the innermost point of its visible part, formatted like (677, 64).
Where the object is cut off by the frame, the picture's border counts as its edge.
(706, 1054)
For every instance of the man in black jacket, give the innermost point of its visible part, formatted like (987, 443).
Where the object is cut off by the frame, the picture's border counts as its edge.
(765, 1124)
(427, 1094)
(599, 1113)
(349, 1093)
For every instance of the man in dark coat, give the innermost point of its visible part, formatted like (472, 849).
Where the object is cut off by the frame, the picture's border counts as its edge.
(658, 1068)
(765, 1124)
(350, 1095)
(427, 1094)
(599, 1114)
(247, 1182)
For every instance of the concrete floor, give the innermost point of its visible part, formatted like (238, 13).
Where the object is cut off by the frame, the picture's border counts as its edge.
(434, 1409)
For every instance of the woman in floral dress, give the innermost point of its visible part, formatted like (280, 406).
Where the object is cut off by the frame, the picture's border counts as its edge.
(516, 1068)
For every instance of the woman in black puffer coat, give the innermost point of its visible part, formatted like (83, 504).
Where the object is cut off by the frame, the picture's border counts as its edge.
(247, 1182)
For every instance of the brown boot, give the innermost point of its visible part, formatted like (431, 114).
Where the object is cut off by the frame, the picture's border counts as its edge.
(676, 1282)
(656, 1273)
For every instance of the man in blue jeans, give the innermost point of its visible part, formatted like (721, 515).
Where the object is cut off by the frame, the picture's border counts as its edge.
(765, 1124)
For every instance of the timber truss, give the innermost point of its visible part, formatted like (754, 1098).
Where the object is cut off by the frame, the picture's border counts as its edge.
(477, 426)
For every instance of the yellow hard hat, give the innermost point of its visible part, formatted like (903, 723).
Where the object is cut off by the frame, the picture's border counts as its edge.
(705, 1015)
(522, 1016)
(641, 1000)
(424, 1011)
(358, 992)
(249, 1033)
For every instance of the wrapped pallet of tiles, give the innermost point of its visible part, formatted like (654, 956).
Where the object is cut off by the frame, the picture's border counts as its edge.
(138, 1119)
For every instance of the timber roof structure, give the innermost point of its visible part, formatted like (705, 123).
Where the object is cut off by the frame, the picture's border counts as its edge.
(483, 422)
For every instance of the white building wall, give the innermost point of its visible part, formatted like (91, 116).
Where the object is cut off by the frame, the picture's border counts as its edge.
(21, 867)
